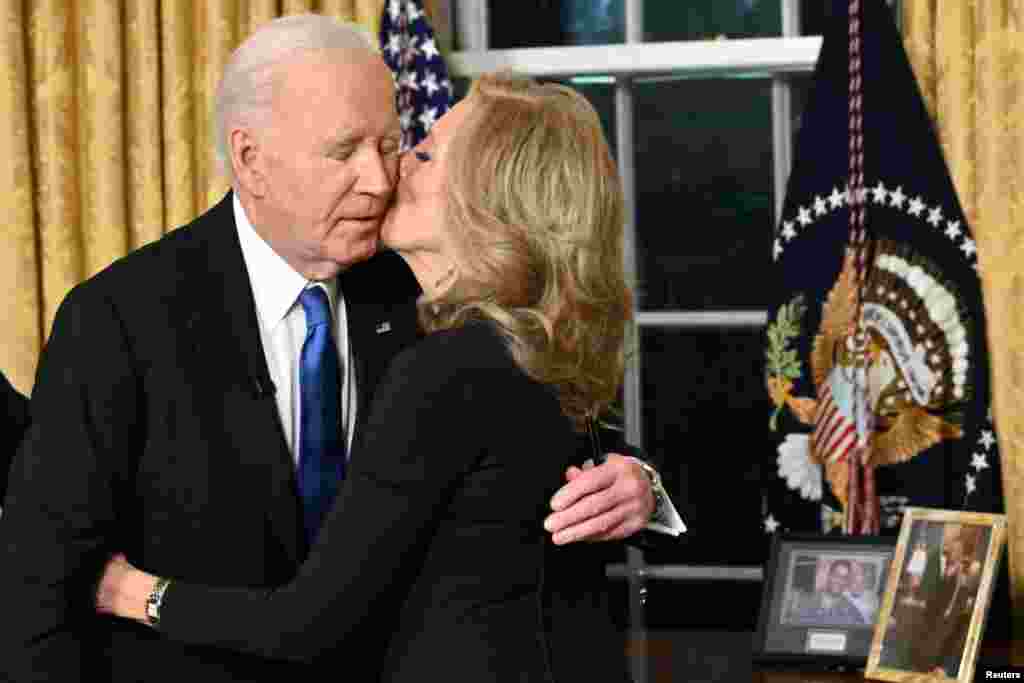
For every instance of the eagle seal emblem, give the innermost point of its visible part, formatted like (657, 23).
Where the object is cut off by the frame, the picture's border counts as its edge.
(906, 376)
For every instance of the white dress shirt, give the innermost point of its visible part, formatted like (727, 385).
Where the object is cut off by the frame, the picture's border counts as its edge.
(276, 287)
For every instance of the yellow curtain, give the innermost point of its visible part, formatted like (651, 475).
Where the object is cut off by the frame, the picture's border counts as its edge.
(105, 137)
(969, 60)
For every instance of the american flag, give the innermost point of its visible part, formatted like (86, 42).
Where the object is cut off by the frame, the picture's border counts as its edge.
(423, 89)
(835, 432)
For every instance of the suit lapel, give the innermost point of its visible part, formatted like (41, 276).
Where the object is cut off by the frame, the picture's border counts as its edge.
(364, 356)
(226, 325)
(380, 296)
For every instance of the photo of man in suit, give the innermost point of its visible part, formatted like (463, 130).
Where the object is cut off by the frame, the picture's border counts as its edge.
(934, 603)
(832, 604)
(166, 419)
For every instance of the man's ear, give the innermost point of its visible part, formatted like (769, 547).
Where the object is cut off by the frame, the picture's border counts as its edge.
(248, 160)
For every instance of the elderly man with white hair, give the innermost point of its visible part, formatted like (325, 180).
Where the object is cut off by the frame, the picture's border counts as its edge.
(181, 413)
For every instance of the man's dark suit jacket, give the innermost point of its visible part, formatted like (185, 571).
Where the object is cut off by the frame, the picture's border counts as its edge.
(925, 637)
(15, 422)
(945, 621)
(155, 431)
(441, 514)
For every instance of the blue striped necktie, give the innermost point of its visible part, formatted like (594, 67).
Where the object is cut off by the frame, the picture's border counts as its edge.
(321, 445)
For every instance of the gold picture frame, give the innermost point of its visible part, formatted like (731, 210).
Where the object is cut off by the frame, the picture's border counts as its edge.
(937, 597)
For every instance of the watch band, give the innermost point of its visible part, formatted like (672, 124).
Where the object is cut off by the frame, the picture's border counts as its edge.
(155, 601)
(658, 490)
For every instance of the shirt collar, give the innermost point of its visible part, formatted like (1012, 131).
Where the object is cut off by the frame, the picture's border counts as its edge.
(276, 286)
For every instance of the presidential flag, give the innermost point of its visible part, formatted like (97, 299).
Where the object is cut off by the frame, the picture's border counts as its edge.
(876, 356)
(423, 89)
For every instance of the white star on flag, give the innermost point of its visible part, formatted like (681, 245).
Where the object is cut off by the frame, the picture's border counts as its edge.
(408, 46)
(804, 217)
(394, 45)
(880, 193)
(916, 206)
(952, 229)
(430, 83)
(835, 199)
(819, 206)
(394, 9)
(987, 439)
(787, 230)
(968, 247)
(847, 195)
(972, 484)
(978, 461)
(428, 117)
(935, 216)
(896, 197)
(776, 250)
(770, 524)
(429, 48)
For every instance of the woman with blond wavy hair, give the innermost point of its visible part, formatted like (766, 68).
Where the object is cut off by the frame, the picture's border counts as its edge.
(510, 214)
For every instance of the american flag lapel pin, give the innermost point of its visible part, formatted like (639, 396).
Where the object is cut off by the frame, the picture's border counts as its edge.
(383, 327)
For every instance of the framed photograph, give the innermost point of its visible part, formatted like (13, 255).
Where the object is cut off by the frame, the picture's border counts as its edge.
(821, 599)
(937, 596)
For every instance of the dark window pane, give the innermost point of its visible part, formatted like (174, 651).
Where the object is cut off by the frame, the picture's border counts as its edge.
(460, 87)
(593, 22)
(705, 416)
(544, 23)
(704, 193)
(706, 19)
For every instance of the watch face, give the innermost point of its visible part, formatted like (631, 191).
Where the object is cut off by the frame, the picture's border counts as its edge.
(652, 474)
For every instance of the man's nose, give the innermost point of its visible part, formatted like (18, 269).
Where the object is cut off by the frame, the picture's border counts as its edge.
(377, 174)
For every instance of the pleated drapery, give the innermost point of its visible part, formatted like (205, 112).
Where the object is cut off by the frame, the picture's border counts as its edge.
(969, 61)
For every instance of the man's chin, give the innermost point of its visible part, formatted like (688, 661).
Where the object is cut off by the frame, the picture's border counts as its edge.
(362, 250)
(329, 264)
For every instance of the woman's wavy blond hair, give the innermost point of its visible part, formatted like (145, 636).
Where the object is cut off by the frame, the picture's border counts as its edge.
(535, 209)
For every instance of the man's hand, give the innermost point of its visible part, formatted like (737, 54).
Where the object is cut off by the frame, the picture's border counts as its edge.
(604, 503)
